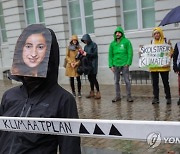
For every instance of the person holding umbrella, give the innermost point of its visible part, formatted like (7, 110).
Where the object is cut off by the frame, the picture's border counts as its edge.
(173, 16)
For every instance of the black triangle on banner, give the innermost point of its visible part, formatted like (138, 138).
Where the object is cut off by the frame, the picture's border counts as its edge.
(83, 130)
(114, 131)
(98, 131)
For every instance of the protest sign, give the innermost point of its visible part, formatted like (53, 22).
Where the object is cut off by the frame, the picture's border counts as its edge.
(154, 55)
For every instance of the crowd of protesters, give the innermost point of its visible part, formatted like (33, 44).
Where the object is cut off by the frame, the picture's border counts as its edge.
(120, 57)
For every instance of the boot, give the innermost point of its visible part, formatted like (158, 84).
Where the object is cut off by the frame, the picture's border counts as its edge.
(129, 99)
(98, 95)
(79, 94)
(74, 94)
(155, 101)
(91, 94)
(178, 102)
(168, 101)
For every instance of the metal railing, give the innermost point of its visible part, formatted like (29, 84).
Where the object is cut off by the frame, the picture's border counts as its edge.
(139, 77)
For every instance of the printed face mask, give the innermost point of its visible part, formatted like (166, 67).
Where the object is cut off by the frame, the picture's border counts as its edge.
(32, 52)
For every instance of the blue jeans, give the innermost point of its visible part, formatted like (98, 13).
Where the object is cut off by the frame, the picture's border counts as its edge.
(117, 74)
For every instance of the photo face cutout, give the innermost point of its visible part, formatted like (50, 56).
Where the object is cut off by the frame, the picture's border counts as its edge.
(32, 52)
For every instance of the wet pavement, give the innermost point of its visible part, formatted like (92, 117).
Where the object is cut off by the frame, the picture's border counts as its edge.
(140, 109)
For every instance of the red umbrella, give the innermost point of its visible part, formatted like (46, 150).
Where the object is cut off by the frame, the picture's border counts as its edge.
(172, 17)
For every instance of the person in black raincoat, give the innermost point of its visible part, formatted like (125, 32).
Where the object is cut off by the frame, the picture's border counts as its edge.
(176, 65)
(39, 97)
(91, 51)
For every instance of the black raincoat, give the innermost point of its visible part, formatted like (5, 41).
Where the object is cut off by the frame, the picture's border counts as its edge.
(92, 52)
(39, 97)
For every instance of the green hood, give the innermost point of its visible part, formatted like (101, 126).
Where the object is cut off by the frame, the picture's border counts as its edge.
(120, 52)
(119, 29)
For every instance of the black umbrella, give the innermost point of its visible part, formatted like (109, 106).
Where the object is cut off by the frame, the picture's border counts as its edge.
(172, 17)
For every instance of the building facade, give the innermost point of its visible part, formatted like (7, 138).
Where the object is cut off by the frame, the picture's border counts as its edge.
(99, 18)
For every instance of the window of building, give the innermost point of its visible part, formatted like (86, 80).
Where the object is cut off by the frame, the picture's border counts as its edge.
(138, 14)
(34, 11)
(2, 25)
(81, 16)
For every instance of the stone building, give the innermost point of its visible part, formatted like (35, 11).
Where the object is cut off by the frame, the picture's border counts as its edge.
(99, 18)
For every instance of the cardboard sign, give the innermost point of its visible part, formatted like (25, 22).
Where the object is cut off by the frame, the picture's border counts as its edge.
(154, 55)
(32, 52)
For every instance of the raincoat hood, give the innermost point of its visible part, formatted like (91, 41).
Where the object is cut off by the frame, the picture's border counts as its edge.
(119, 29)
(87, 38)
(53, 65)
(161, 40)
(74, 37)
(72, 46)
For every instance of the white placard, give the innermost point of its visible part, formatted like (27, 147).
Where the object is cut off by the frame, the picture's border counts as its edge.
(154, 55)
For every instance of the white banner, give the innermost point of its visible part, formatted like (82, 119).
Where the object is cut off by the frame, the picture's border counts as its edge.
(154, 55)
(114, 129)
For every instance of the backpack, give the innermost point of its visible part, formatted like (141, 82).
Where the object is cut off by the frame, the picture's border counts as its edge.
(85, 66)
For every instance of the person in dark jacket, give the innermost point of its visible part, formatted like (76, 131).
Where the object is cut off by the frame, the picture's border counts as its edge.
(91, 51)
(176, 65)
(39, 97)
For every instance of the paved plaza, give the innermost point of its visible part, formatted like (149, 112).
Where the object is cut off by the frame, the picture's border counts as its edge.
(140, 109)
